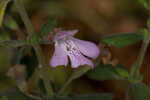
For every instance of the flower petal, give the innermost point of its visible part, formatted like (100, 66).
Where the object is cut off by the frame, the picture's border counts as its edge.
(75, 55)
(59, 57)
(87, 48)
(64, 34)
(78, 60)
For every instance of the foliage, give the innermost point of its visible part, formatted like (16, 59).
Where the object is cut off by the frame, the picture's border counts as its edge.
(122, 39)
(108, 72)
(141, 91)
(38, 83)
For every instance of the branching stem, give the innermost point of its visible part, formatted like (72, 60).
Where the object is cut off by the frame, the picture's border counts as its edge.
(37, 48)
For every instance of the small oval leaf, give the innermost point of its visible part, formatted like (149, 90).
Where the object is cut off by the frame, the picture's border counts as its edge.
(121, 40)
(48, 27)
(108, 72)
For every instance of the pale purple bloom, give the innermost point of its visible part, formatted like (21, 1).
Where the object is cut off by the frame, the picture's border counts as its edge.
(68, 46)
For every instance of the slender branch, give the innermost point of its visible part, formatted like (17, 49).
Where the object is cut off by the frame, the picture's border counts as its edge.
(44, 70)
(13, 43)
(128, 95)
(18, 43)
(45, 42)
(24, 16)
(135, 70)
(141, 58)
(135, 74)
(37, 48)
(136, 67)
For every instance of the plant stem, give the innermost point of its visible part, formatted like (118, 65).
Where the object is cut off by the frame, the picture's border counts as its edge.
(44, 70)
(65, 86)
(135, 70)
(141, 58)
(136, 67)
(24, 16)
(19, 43)
(13, 43)
(37, 48)
(128, 95)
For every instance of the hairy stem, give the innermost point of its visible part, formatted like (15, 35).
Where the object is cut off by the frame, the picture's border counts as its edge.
(141, 58)
(37, 48)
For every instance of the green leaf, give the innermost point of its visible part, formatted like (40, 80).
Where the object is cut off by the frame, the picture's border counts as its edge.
(3, 5)
(121, 71)
(121, 40)
(148, 22)
(108, 72)
(48, 27)
(45, 30)
(145, 3)
(102, 96)
(141, 91)
(13, 94)
(11, 23)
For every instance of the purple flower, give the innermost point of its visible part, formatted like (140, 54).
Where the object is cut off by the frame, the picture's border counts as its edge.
(68, 46)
